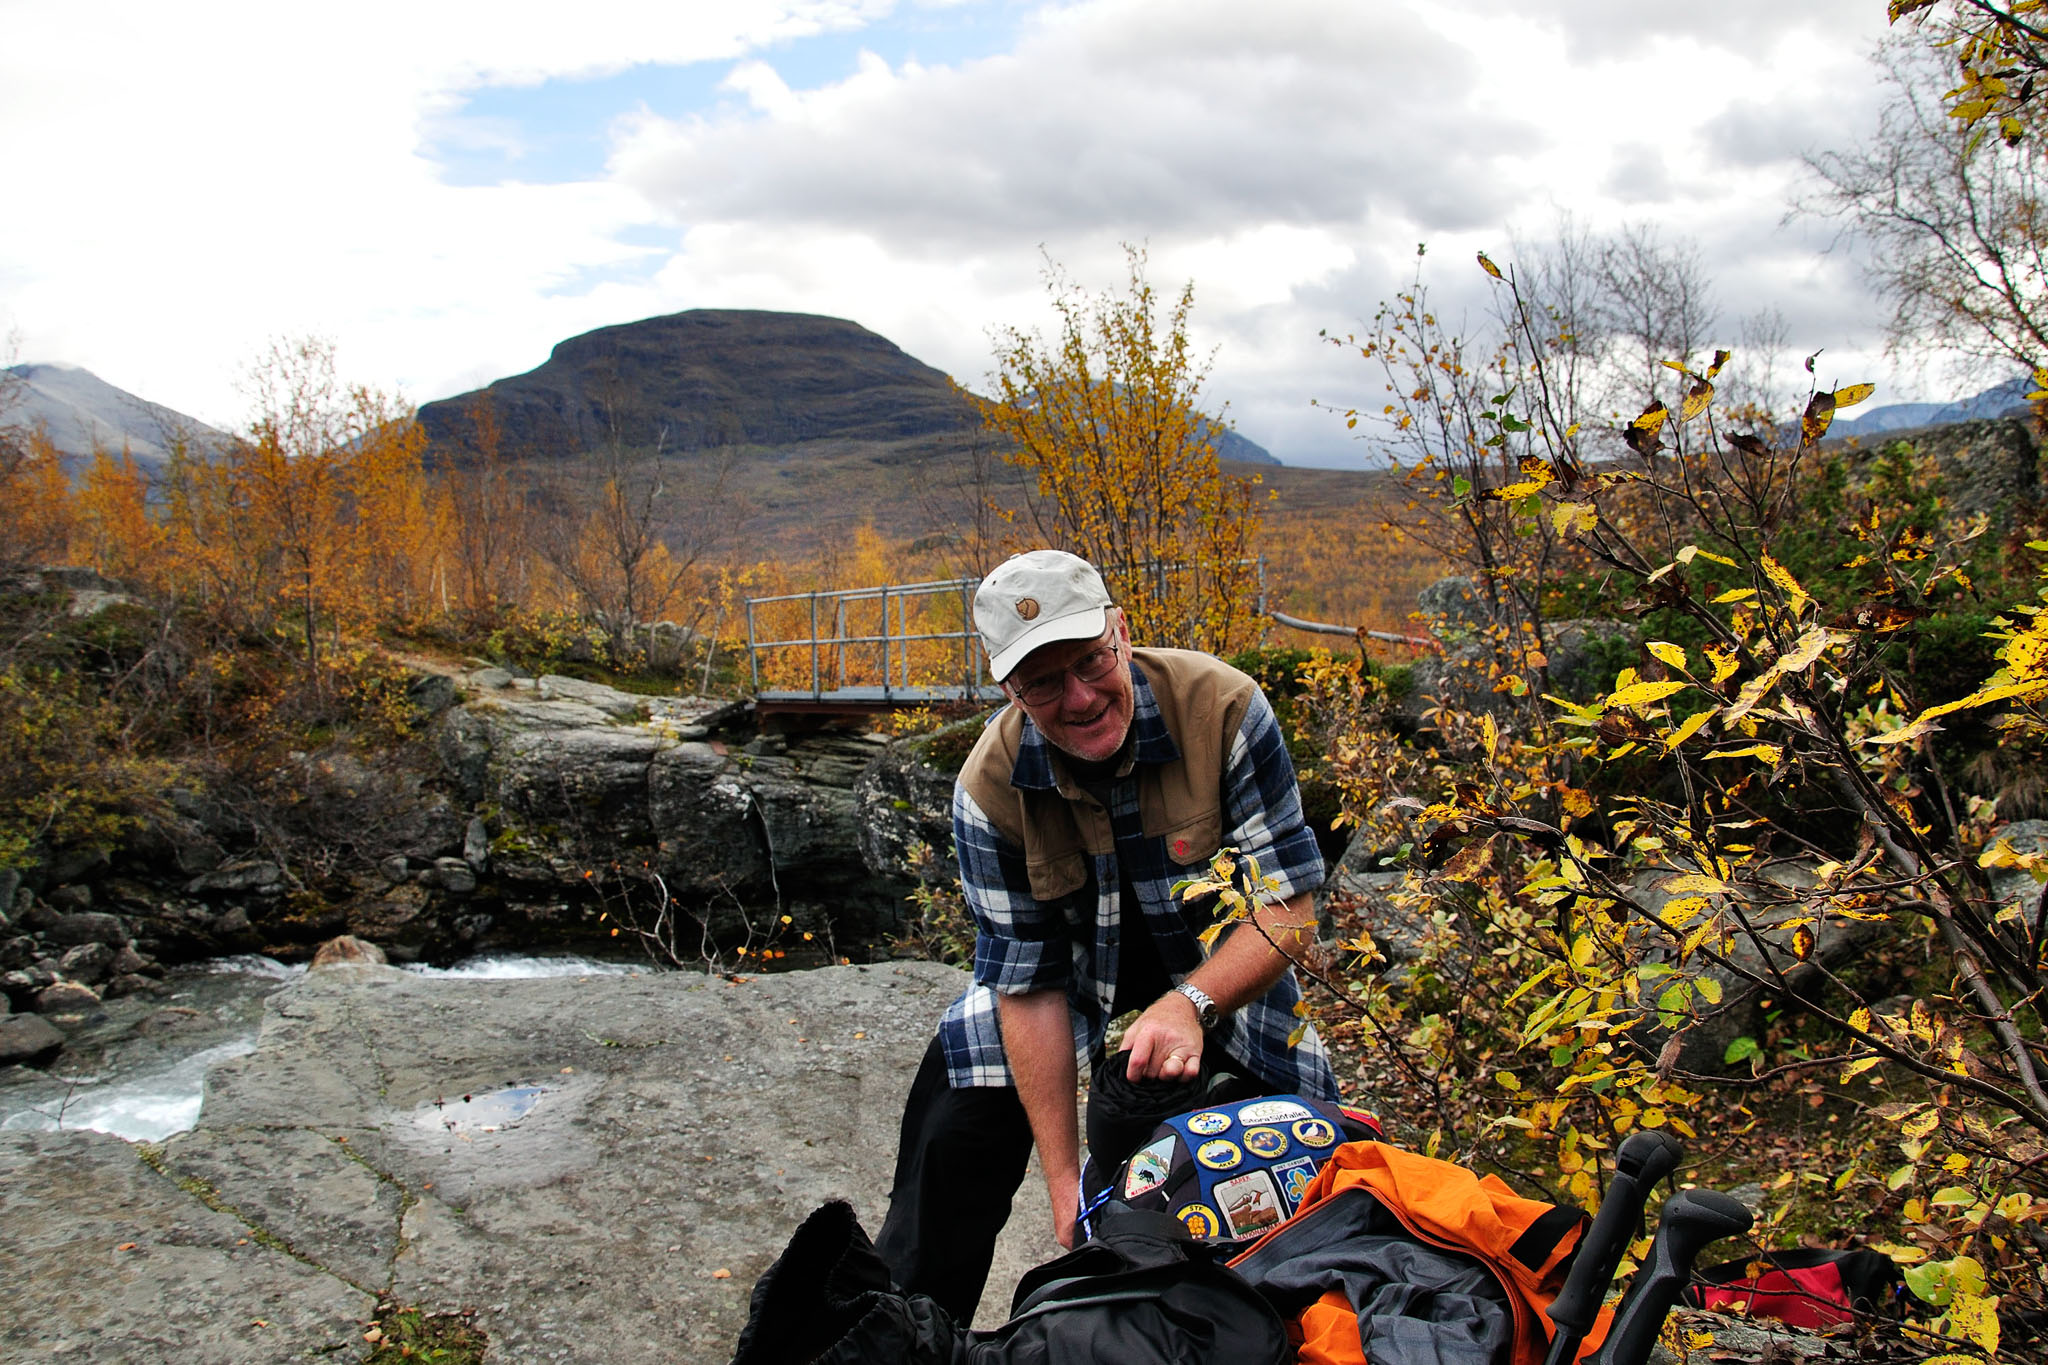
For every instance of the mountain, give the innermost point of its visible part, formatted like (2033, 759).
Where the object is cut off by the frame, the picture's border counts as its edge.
(1996, 401)
(712, 378)
(709, 378)
(82, 413)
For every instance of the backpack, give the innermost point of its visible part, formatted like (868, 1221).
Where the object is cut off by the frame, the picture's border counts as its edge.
(1230, 1172)
(1500, 1259)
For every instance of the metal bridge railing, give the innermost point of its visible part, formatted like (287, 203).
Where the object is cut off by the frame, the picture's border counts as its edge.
(830, 654)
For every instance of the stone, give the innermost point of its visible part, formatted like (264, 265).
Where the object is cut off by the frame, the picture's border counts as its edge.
(449, 874)
(129, 983)
(476, 844)
(91, 926)
(243, 875)
(17, 952)
(10, 882)
(128, 960)
(69, 899)
(346, 949)
(66, 997)
(2016, 885)
(614, 703)
(28, 1040)
(395, 869)
(432, 693)
(488, 679)
(88, 963)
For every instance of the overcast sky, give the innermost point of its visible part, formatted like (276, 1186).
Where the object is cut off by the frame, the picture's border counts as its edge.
(448, 189)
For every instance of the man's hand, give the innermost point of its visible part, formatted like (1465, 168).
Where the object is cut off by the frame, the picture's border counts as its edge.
(1166, 1041)
(1066, 1208)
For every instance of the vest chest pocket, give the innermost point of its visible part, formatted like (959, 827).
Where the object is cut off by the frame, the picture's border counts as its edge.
(1194, 843)
(1059, 875)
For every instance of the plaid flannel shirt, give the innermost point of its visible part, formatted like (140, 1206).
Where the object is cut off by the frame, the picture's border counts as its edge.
(1026, 945)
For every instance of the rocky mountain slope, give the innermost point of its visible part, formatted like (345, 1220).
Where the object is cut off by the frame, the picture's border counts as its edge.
(714, 377)
(80, 412)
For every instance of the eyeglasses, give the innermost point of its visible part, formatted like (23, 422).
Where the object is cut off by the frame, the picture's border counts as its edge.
(1091, 667)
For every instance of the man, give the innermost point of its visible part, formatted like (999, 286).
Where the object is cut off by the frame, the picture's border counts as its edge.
(1114, 773)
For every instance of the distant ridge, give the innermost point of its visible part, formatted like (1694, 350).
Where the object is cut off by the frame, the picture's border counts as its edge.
(82, 413)
(715, 377)
(1997, 401)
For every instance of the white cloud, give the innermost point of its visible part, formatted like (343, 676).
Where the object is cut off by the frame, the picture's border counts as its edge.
(189, 180)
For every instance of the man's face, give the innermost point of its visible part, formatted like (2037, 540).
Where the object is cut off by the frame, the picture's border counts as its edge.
(1087, 719)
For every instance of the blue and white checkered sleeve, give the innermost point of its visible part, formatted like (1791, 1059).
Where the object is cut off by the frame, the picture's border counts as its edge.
(1262, 801)
(1021, 945)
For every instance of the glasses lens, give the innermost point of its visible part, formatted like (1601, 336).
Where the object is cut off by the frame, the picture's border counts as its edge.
(1090, 667)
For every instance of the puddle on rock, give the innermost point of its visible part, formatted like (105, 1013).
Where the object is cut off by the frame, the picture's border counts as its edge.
(479, 1111)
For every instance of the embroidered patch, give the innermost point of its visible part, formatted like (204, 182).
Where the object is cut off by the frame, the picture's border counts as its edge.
(1218, 1154)
(1200, 1220)
(1250, 1203)
(1274, 1111)
(1315, 1133)
(1180, 848)
(1148, 1167)
(1208, 1123)
(1264, 1142)
(1027, 607)
(1294, 1179)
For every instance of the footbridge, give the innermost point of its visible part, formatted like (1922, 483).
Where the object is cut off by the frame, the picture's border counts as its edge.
(902, 646)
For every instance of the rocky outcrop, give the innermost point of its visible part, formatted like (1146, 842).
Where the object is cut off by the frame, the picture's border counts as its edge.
(539, 812)
(599, 1167)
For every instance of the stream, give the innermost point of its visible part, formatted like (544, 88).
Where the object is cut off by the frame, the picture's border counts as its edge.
(137, 1069)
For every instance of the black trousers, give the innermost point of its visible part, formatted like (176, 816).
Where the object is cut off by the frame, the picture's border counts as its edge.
(960, 1159)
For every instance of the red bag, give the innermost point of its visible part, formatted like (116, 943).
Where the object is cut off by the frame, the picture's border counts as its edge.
(1813, 1289)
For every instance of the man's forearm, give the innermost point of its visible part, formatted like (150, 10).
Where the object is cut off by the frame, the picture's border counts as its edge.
(1247, 963)
(1038, 1040)
(1167, 1040)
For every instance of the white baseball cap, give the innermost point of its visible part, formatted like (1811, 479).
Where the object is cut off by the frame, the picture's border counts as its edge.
(1040, 597)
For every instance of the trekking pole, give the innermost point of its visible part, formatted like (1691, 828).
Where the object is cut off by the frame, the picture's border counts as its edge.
(1645, 1157)
(1692, 1219)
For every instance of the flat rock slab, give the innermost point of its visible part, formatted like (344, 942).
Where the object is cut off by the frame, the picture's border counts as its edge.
(576, 1159)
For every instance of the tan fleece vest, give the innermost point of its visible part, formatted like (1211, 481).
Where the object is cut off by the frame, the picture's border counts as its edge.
(1202, 701)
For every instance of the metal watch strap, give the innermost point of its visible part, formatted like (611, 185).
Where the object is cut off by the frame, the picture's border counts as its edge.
(1205, 1008)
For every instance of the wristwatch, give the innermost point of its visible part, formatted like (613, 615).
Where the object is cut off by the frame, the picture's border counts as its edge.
(1205, 1008)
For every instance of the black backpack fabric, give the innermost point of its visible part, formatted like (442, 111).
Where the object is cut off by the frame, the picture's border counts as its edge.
(1142, 1292)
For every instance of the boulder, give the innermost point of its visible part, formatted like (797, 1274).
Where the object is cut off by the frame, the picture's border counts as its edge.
(70, 899)
(451, 875)
(66, 997)
(600, 1167)
(476, 844)
(88, 963)
(28, 1040)
(904, 797)
(2012, 885)
(347, 949)
(239, 877)
(92, 926)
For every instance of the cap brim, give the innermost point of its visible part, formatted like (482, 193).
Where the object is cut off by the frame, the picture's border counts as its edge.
(1078, 625)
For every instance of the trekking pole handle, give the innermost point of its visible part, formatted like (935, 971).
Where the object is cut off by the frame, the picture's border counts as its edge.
(1692, 1219)
(1645, 1157)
